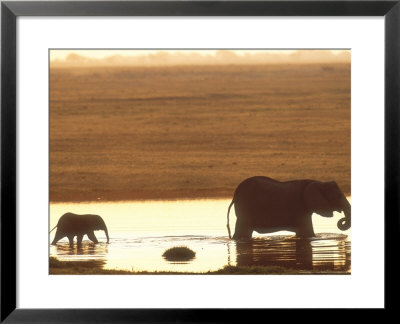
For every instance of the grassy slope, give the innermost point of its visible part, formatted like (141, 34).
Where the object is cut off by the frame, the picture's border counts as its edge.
(187, 132)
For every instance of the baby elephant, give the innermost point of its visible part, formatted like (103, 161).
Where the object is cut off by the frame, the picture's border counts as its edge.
(70, 225)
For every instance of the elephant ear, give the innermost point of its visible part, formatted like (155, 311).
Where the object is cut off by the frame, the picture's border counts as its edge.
(316, 201)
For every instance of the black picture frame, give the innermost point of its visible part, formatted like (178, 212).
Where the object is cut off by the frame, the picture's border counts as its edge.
(11, 10)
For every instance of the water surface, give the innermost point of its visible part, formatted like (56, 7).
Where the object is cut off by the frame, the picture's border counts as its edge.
(140, 232)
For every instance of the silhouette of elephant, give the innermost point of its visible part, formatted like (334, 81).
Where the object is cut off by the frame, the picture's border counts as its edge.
(71, 225)
(266, 205)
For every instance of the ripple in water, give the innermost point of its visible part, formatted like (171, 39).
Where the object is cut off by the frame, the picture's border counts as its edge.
(326, 251)
(141, 232)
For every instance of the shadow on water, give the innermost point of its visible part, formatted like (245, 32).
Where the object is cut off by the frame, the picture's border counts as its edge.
(88, 254)
(324, 252)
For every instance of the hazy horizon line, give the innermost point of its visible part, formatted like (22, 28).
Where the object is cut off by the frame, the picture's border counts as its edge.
(201, 57)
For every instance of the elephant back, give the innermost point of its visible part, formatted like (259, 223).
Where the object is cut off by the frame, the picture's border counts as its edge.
(73, 222)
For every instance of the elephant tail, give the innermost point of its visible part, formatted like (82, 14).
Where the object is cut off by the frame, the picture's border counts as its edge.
(227, 219)
(53, 228)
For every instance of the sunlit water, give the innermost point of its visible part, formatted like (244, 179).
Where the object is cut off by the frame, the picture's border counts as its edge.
(140, 232)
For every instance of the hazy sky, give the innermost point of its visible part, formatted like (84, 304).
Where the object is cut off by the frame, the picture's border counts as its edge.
(94, 53)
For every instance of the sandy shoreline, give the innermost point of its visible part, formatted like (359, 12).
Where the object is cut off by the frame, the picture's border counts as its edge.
(218, 193)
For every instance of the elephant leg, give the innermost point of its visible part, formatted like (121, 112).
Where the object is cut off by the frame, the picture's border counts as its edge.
(304, 254)
(71, 240)
(242, 230)
(92, 237)
(305, 229)
(79, 239)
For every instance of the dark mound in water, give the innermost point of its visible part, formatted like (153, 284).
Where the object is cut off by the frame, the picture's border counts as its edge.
(179, 253)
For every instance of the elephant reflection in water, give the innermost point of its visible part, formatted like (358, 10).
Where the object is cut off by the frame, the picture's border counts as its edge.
(290, 253)
(293, 253)
(89, 256)
(88, 249)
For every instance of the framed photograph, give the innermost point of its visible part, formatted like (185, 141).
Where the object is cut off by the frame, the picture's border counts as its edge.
(162, 159)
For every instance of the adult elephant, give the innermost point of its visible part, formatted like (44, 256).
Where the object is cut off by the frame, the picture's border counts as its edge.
(71, 225)
(266, 205)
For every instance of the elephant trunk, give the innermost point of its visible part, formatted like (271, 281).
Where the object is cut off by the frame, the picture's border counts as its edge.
(345, 223)
(106, 231)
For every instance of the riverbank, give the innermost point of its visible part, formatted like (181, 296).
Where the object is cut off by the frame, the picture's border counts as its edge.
(57, 267)
(116, 195)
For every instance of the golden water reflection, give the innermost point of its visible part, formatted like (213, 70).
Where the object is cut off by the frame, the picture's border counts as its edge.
(140, 232)
(324, 252)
